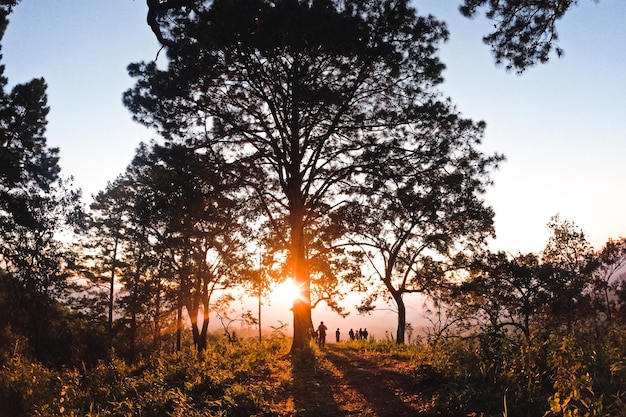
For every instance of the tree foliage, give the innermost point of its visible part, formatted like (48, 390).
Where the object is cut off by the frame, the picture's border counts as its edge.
(422, 209)
(504, 294)
(524, 31)
(36, 204)
(296, 92)
(538, 295)
(572, 259)
(609, 278)
(182, 238)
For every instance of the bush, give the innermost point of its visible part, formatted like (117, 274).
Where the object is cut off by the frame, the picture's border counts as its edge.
(30, 389)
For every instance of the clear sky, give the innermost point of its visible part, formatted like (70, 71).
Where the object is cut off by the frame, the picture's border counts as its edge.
(561, 125)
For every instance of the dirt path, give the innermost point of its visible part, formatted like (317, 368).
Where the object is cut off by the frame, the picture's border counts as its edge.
(357, 383)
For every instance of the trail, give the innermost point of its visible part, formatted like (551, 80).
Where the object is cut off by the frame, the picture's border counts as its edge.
(358, 383)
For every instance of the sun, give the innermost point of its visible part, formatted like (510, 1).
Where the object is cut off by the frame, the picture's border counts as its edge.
(285, 292)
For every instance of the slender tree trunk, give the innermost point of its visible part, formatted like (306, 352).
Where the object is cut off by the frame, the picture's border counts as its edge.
(527, 327)
(397, 296)
(195, 331)
(112, 284)
(179, 314)
(609, 312)
(157, 318)
(205, 329)
(259, 294)
(202, 340)
(133, 337)
(179, 325)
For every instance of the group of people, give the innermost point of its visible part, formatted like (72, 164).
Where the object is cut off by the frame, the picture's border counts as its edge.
(319, 335)
(359, 335)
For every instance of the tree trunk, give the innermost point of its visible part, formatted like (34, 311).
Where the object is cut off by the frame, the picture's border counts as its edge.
(156, 338)
(397, 296)
(607, 299)
(526, 329)
(260, 304)
(205, 329)
(193, 318)
(302, 323)
(112, 282)
(179, 326)
(132, 349)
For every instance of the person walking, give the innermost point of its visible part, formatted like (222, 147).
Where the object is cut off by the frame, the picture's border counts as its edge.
(321, 334)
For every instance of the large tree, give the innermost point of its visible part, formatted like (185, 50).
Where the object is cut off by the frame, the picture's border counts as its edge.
(36, 204)
(421, 211)
(295, 91)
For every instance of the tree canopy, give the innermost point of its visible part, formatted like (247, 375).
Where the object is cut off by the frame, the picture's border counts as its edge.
(296, 92)
(419, 215)
(524, 31)
(36, 204)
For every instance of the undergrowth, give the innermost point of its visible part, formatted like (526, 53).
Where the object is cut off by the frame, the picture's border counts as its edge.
(225, 380)
(578, 374)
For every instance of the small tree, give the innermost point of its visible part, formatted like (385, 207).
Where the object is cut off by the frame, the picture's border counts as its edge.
(609, 276)
(183, 224)
(504, 292)
(571, 258)
(103, 242)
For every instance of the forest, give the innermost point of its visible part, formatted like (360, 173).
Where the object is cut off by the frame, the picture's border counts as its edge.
(309, 141)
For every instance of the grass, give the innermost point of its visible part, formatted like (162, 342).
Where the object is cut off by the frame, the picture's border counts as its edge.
(562, 376)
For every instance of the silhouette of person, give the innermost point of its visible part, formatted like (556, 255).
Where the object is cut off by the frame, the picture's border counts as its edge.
(360, 334)
(321, 334)
(337, 334)
(365, 334)
(351, 334)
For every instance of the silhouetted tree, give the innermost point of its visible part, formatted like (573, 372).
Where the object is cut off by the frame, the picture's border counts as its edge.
(570, 283)
(503, 293)
(293, 90)
(36, 205)
(103, 244)
(183, 233)
(126, 245)
(421, 208)
(609, 276)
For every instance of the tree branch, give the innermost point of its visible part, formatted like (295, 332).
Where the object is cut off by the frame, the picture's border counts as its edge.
(158, 8)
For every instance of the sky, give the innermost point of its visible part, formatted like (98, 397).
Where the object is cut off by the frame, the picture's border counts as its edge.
(560, 125)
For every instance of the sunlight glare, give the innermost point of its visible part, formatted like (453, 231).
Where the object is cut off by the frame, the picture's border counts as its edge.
(285, 292)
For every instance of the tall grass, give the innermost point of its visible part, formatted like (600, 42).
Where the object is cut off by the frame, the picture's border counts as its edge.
(581, 373)
(227, 379)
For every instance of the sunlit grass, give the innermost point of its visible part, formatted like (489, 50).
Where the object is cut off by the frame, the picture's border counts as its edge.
(261, 378)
